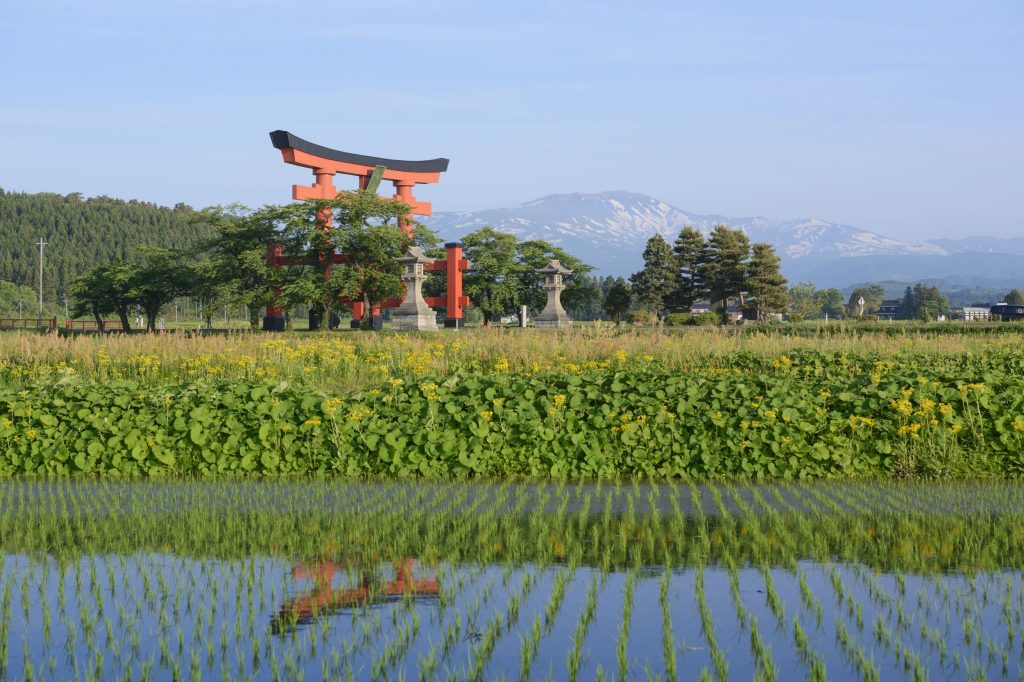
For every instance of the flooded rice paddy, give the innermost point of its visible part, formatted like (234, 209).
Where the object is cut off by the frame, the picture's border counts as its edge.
(287, 580)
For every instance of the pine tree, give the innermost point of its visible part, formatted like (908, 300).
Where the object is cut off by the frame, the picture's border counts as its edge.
(691, 251)
(725, 267)
(655, 283)
(616, 303)
(765, 282)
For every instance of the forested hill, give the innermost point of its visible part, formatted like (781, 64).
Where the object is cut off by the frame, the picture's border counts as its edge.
(82, 233)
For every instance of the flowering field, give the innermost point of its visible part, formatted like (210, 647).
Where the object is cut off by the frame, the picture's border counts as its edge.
(592, 403)
(475, 581)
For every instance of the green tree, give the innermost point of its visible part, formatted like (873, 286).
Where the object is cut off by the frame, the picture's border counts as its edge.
(492, 278)
(235, 268)
(106, 288)
(1014, 297)
(873, 295)
(360, 225)
(725, 267)
(92, 298)
(655, 284)
(12, 295)
(534, 254)
(160, 277)
(691, 252)
(830, 303)
(584, 300)
(922, 302)
(618, 300)
(765, 282)
(83, 234)
(805, 301)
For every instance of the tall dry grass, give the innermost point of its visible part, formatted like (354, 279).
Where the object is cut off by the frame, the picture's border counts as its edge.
(356, 359)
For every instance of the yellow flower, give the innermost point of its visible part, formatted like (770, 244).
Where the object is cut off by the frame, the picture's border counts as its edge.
(487, 415)
(1018, 423)
(945, 409)
(856, 421)
(312, 422)
(909, 429)
(902, 406)
(955, 429)
(429, 391)
(7, 423)
(559, 401)
(970, 388)
(771, 414)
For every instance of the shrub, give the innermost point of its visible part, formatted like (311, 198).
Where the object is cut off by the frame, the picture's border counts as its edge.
(678, 319)
(641, 318)
(795, 318)
(708, 319)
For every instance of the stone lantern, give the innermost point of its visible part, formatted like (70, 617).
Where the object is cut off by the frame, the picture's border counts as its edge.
(414, 314)
(553, 315)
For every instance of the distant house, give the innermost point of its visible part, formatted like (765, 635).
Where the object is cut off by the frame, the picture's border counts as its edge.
(700, 308)
(734, 313)
(1006, 311)
(890, 309)
(975, 313)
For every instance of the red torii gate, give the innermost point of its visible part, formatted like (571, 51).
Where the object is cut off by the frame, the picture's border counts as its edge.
(370, 171)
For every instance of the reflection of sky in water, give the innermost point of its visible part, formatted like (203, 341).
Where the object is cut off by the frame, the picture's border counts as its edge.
(146, 598)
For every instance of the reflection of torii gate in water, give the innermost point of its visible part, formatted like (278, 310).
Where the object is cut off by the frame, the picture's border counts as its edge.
(370, 171)
(323, 598)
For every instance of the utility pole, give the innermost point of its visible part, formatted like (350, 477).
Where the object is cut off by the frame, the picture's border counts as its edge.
(41, 244)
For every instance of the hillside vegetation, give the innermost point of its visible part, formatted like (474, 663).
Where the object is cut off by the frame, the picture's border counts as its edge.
(81, 234)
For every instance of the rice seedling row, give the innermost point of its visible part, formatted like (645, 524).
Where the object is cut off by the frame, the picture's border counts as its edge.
(457, 580)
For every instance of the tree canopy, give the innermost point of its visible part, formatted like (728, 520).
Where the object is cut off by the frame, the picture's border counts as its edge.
(82, 234)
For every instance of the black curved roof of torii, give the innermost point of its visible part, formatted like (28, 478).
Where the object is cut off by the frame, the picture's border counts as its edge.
(282, 139)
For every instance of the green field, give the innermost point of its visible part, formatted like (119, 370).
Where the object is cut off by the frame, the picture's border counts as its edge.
(770, 503)
(460, 580)
(929, 402)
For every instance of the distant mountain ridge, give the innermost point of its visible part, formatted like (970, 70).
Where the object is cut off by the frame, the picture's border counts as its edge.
(609, 229)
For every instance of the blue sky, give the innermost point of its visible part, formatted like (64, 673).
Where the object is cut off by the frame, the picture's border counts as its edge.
(901, 117)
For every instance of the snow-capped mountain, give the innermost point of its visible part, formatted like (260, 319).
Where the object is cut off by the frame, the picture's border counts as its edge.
(609, 229)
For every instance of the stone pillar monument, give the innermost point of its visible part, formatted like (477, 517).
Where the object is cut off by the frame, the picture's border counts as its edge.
(553, 315)
(414, 313)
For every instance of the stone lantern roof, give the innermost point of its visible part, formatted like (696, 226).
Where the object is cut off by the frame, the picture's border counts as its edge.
(414, 254)
(553, 268)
